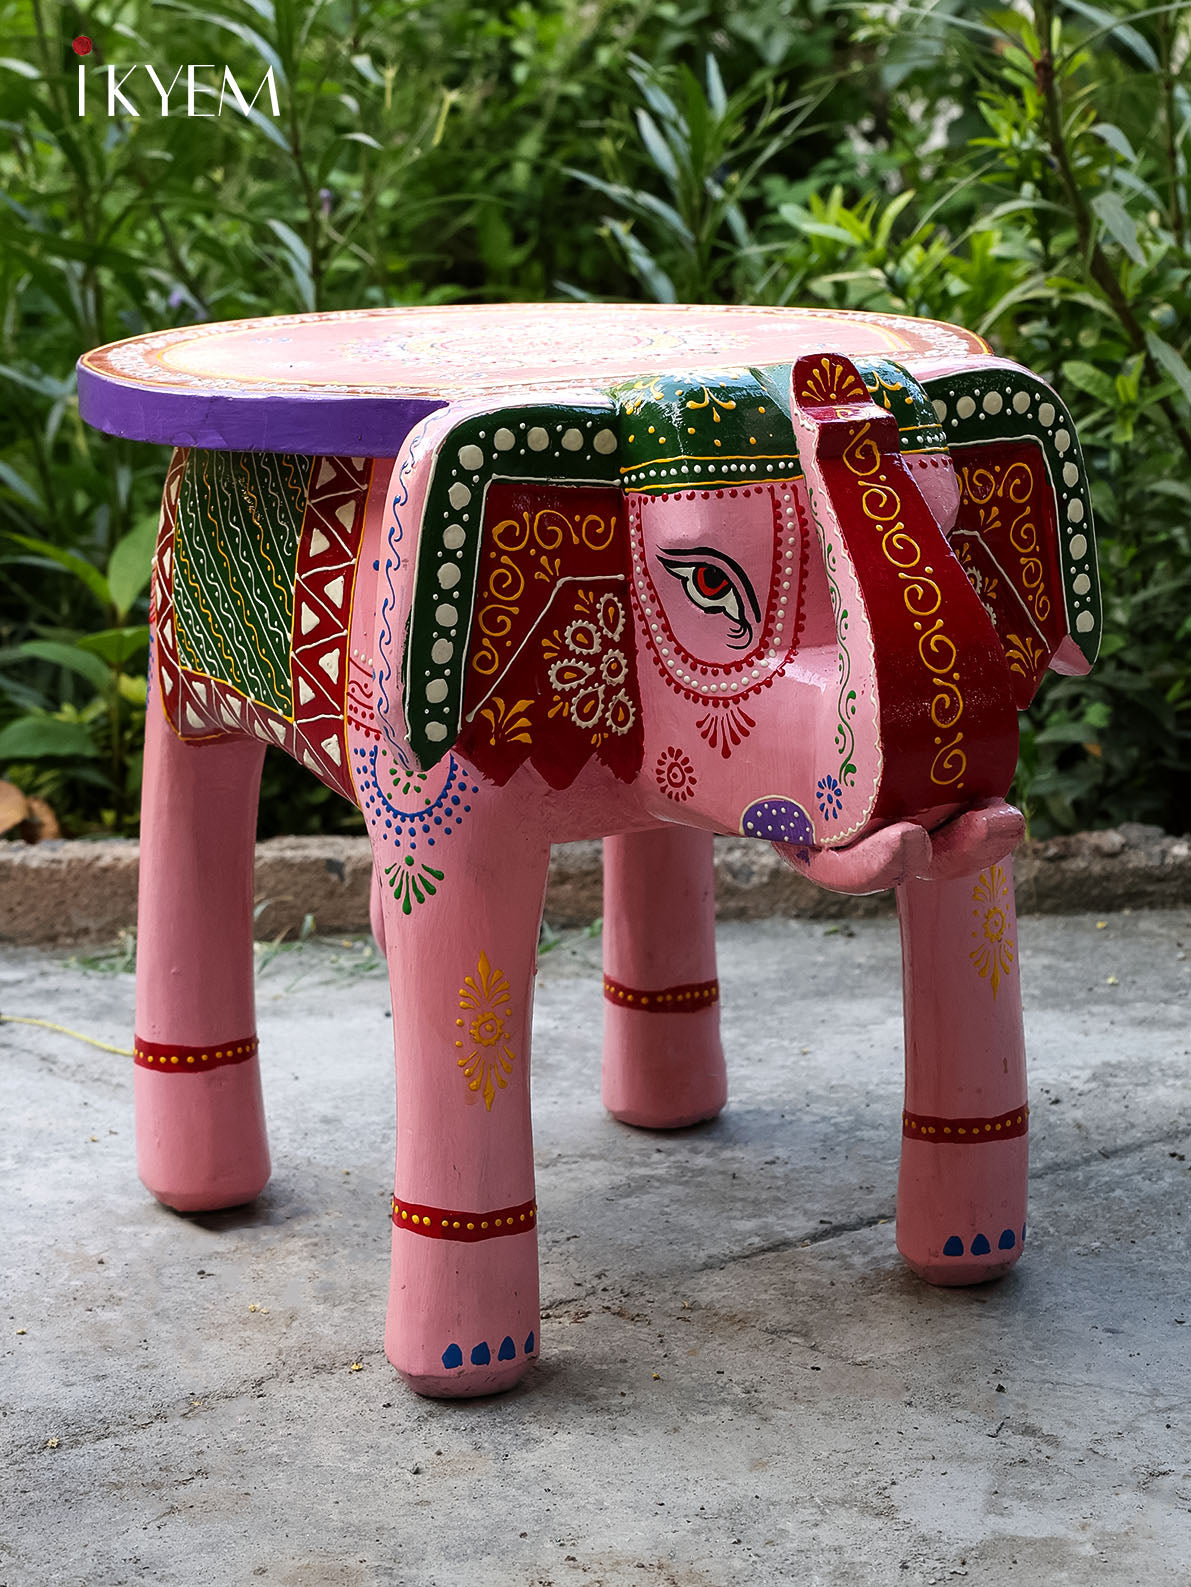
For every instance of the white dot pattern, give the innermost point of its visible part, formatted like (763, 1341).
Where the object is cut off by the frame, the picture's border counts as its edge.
(582, 452)
(993, 389)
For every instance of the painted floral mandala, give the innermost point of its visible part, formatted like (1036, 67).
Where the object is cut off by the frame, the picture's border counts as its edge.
(675, 775)
(589, 672)
(830, 796)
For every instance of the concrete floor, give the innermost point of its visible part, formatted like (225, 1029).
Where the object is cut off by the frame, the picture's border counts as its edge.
(740, 1384)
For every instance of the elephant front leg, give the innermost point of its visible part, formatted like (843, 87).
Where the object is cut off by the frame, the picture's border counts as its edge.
(460, 928)
(961, 1208)
(663, 1061)
(200, 1125)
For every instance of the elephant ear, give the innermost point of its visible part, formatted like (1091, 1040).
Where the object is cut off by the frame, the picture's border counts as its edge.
(1023, 531)
(520, 644)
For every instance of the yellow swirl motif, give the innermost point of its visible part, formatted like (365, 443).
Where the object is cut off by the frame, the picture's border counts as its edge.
(949, 764)
(922, 598)
(863, 456)
(986, 491)
(536, 533)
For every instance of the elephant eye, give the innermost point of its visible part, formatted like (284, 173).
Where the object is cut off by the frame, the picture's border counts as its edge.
(715, 583)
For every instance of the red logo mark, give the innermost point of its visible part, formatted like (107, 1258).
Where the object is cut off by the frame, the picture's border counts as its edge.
(81, 45)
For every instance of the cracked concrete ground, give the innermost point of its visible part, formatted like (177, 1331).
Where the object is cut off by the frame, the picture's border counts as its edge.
(740, 1383)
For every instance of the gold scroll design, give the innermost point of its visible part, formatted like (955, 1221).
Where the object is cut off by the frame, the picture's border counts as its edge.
(987, 586)
(922, 598)
(1024, 654)
(1011, 488)
(538, 540)
(831, 383)
(486, 1054)
(995, 949)
(634, 397)
(712, 400)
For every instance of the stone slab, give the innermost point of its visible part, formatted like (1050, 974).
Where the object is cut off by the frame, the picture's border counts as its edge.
(85, 892)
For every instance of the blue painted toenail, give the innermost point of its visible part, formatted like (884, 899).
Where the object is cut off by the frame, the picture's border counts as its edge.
(529, 1343)
(1007, 1241)
(507, 1349)
(452, 1356)
(954, 1246)
(481, 1355)
(980, 1246)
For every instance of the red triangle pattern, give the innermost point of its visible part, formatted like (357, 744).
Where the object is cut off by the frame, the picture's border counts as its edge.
(326, 573)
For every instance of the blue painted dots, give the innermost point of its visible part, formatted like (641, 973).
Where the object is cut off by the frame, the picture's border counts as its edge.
(481, 1354)
(396, 800)
(954, 1246)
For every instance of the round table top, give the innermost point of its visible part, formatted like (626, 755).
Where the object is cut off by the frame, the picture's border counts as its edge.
(356, 381)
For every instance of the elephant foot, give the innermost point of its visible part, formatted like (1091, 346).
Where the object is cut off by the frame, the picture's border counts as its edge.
(664, 1070)
(463, 1317)
(961, 1216)
(200, 1133)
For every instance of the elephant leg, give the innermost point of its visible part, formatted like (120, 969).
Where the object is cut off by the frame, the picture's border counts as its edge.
(200, 1123)
(461, 924)
(663, 1060)
(376, 911)
(961, 1206)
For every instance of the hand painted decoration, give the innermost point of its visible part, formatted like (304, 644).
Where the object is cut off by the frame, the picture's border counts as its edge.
(509, 576)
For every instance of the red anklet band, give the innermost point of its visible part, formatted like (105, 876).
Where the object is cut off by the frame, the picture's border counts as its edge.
(445, 1223)
(966, 1132)
(685, 999)
(177, 1060)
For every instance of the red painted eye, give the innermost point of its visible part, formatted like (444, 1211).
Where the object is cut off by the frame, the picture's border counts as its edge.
(710, 582)
(713, 590)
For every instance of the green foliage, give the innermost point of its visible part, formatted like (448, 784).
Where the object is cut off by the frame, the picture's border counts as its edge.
(1020, 170)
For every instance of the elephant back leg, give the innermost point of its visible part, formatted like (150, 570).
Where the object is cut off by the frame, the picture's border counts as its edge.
(376, 911)
(199, 1113)
(663, 1060)
(962, 1191)
(460, 883)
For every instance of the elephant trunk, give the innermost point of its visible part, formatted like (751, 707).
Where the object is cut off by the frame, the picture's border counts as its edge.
(904, 850)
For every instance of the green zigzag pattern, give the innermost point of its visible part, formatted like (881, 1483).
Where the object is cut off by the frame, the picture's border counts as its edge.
(239, 520)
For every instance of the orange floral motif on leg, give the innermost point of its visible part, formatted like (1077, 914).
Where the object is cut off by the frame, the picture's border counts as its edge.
(995, 950)
(485, 1044)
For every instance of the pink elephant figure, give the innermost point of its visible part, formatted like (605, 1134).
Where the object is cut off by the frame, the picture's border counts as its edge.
(801, 602)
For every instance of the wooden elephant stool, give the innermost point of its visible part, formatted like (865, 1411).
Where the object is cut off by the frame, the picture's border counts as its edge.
(511, 576)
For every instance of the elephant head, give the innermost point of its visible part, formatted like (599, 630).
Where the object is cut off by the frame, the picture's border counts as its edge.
(802, 602)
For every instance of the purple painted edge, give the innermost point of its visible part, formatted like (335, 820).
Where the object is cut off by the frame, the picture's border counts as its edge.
(310, 424)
